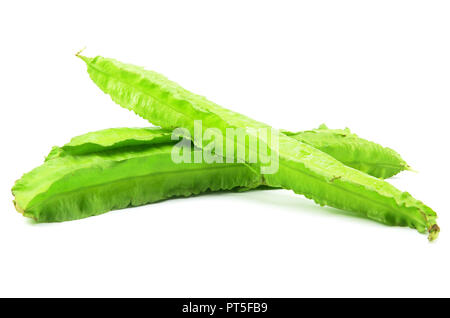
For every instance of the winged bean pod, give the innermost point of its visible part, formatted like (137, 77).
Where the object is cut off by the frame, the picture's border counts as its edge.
(73, 187)
(302, 168)
(353, 151)
(112, 138)
(347, 147)
(63, 189)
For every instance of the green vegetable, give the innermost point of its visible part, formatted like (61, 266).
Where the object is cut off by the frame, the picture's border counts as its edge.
(353, 151)
(302, 168)
(112, 138)
(341, 144)
(103, 148)
(73, 187)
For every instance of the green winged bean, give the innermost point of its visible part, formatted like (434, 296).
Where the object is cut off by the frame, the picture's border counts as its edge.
(353, 151)
(302, 168)
(71, 187)
(63, 189)
(347, 147)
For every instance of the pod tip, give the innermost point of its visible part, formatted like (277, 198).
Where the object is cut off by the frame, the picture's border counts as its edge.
(433, 232)
(80, 51)
(408, 168)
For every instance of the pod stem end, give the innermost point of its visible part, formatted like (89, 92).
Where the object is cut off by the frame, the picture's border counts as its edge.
(408, 168)
(80, 51)
(433, 232)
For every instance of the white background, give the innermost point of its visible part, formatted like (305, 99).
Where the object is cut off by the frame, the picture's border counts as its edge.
(381, 68)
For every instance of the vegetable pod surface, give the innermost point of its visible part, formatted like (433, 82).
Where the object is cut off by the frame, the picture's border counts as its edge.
(302, 168)
(354, 151)
(113, 138)
(65, 198)
(73, 187)
(347, 147)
